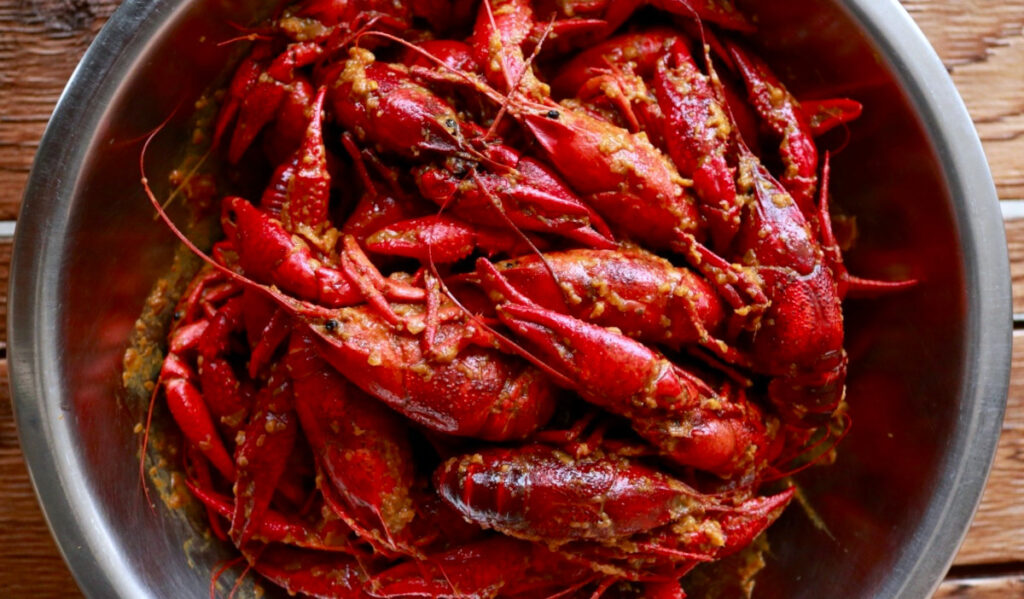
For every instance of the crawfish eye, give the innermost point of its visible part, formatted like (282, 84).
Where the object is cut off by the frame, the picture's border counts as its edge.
(331, 325)
(450, 123)
(178, 315)
(553, 114)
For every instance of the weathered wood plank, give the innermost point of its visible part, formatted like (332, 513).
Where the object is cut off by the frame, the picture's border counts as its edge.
(6, 246)
(982, 44)
(996, 534)
(32, 566)
(995, 587)
(41, 41)
(1015, 245)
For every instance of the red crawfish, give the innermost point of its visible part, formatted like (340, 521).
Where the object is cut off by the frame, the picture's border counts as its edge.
(580, 23)
(602, 509)
(462, 387)
(443, 239)
(505, 24)
(635, 291)
(380, 103)
(266, 252)
(427, 362)
(327, 533)
(299, 191)
(261, 454)
(202, 401)
(782, 114)
(616, 12)
(800, 341)
(670, 407)
(307, 572)
(652, 80)
(491, 184)
(495, 567)
(630, 183)
(634, 187)
(517, 193)
(259, 88)
(370, 474)
(699, 136)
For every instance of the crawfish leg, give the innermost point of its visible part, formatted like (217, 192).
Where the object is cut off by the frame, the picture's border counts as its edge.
(192, 415)
(262, 455)
(782, 113)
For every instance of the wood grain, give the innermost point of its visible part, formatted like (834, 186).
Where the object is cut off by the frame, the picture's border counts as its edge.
(30, 565)
(41, 41)
(996, 534)
(1015, 246)
(981, 42)
(6, 245)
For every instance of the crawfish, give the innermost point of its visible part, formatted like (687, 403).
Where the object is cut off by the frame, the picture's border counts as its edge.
(371, 474)
(493, 185)
(380, 103)
(800, 343)
(616, 12)
(631, 289)
(472, 391)
(799, 339)
(653, 82)
(443, 239)
(264, 250)
(195, 400)
(629, 182)
(259, 88)
(261, 455)
(495, 567)
(783, 115)
(670, 407)
(599, 508)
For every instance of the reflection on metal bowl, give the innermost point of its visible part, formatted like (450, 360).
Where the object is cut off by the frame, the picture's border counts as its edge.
(929, 368)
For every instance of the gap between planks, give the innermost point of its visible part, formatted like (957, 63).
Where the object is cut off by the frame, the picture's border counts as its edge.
(990, 581)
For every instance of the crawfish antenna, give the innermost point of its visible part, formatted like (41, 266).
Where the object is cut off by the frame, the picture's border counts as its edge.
(351, 38)
(145, 443)
(248, 37)
(188, 176)
(220, 572)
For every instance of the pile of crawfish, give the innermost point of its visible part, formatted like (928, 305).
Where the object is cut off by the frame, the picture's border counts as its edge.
(521, 311)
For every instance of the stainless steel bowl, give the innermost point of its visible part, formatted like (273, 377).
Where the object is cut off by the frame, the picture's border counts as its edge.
(930, 367)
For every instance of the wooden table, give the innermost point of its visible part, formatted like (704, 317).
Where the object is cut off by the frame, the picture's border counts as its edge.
(981, 42)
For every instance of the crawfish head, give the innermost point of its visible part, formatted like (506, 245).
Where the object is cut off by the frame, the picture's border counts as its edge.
(382, 105)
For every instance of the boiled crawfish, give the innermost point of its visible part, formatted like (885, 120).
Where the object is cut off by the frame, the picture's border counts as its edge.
(519, 311)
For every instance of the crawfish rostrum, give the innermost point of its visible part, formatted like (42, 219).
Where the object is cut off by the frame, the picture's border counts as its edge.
(539, 299)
